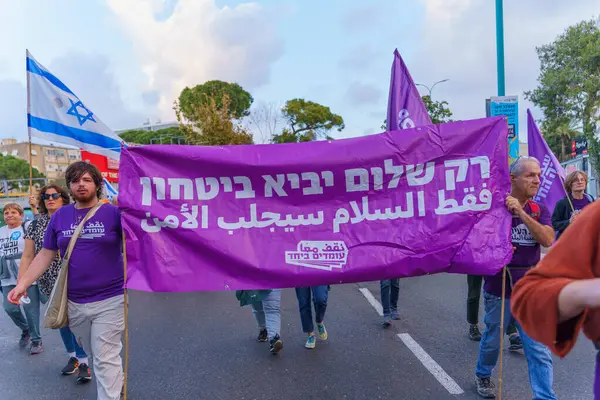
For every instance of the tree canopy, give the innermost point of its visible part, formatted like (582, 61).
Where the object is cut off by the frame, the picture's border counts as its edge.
(568, 90)
(170, 135)
(212, 124)
(15, 168)
(307, 121)
(239, 100)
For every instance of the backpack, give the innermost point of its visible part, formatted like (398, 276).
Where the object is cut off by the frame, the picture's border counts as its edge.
(536, 210)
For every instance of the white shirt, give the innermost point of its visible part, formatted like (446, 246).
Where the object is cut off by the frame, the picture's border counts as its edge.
(12, 241)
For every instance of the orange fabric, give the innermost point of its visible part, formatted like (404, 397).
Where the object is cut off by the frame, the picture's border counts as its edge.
(534, 301)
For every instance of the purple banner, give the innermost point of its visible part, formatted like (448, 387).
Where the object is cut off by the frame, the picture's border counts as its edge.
(551, 187)
(396, 204)
(405, 107)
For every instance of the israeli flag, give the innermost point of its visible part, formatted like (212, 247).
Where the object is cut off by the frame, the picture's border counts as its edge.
(56, 114)
(109, 191)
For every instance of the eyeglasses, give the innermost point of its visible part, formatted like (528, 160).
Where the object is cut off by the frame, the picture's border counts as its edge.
(54, 196)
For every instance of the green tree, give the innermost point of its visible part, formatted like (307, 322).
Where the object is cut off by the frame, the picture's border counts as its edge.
(307, 121)
(438, 111)
(558, 136)
(238, 104)
(213, 125)
(12, 168)
(569, 81)
(170, 135)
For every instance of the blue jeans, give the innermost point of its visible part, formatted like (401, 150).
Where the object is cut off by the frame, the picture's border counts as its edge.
(268, 313)
(389, 295)
(70, 343)
(31, 321)
(539, 358)
(319, 297)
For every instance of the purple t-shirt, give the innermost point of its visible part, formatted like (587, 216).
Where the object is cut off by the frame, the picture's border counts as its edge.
(578, 204)
(96, 265)
(526, 255)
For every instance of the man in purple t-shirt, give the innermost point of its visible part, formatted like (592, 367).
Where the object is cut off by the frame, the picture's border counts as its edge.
(531, 227)
(95, 279)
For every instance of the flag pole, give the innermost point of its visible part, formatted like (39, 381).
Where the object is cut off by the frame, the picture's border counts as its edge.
(29, 127)
(502, 312)
(126, 316)
(568, 197)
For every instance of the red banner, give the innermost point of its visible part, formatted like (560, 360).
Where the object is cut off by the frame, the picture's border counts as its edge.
(108, 167)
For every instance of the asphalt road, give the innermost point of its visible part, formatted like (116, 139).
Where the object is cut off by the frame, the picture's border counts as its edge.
(203, 346)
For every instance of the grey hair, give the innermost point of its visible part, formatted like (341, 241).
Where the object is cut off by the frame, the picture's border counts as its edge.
(516, 168)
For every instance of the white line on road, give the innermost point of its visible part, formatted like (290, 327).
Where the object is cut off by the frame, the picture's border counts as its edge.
(372, 300)
(429, 363)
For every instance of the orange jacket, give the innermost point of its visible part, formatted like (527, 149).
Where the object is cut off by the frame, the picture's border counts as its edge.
(534, 302)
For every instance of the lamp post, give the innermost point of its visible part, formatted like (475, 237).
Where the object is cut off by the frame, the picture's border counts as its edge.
(430, 89)
(500, 47)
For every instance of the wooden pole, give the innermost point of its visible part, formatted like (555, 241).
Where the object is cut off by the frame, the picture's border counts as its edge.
(126, 312)
(502, 332)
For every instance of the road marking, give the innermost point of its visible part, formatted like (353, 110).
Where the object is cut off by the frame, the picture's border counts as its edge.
(429, 363)
(372, 300)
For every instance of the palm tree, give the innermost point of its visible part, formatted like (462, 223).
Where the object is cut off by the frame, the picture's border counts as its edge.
(565, 132)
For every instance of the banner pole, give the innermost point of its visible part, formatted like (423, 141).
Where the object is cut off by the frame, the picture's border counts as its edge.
(126, 314)
(502, 311)
(568, 197)
(29, 127)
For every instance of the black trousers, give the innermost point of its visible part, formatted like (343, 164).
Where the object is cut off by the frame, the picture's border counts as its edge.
(474, 283)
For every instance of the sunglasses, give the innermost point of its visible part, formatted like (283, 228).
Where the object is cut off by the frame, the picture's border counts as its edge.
(54, 196)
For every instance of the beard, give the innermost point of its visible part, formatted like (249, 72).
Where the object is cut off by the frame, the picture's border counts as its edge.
(84, 197)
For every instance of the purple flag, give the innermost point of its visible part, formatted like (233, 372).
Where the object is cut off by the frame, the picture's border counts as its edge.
(551, 185)
(396, 204)
(405, 106)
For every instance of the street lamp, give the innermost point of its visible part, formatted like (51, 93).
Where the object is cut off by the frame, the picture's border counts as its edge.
(500, 47)
(430, 89)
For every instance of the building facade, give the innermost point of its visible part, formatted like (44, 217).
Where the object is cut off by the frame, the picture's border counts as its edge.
(52, 161)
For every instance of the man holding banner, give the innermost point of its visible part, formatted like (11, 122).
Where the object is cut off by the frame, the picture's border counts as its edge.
(531, 227)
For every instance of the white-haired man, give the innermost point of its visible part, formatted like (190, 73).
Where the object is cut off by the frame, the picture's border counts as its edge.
(531, 227)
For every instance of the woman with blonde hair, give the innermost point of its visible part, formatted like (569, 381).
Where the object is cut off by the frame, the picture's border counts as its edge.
(567, 209)
(12, 245)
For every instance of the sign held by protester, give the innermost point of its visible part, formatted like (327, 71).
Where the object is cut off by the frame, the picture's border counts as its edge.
(398, 204)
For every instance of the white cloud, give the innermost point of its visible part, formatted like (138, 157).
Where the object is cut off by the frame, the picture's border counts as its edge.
(459, 43)
(358, 58)
(13, 111)
(363, 93)
(198, 42)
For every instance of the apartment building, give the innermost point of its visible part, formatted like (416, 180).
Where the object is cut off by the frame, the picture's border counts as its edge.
(52, 161)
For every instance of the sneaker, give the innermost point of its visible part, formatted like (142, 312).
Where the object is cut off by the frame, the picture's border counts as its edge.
(85, 374)
(311, 342)
(263, 336)
(486, 388)
(36, 348)
(24, 341)
(515, 342)
(275, 345)
(474, 333)
(395, 315)
(71, 367)
(387, 321)
(322, 331)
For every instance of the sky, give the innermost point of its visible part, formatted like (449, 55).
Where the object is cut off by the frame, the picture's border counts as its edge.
(128, 60)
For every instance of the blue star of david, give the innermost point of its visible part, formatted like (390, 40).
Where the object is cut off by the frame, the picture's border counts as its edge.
(82, 118)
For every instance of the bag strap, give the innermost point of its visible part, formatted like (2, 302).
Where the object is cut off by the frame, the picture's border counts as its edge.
(77, 232)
